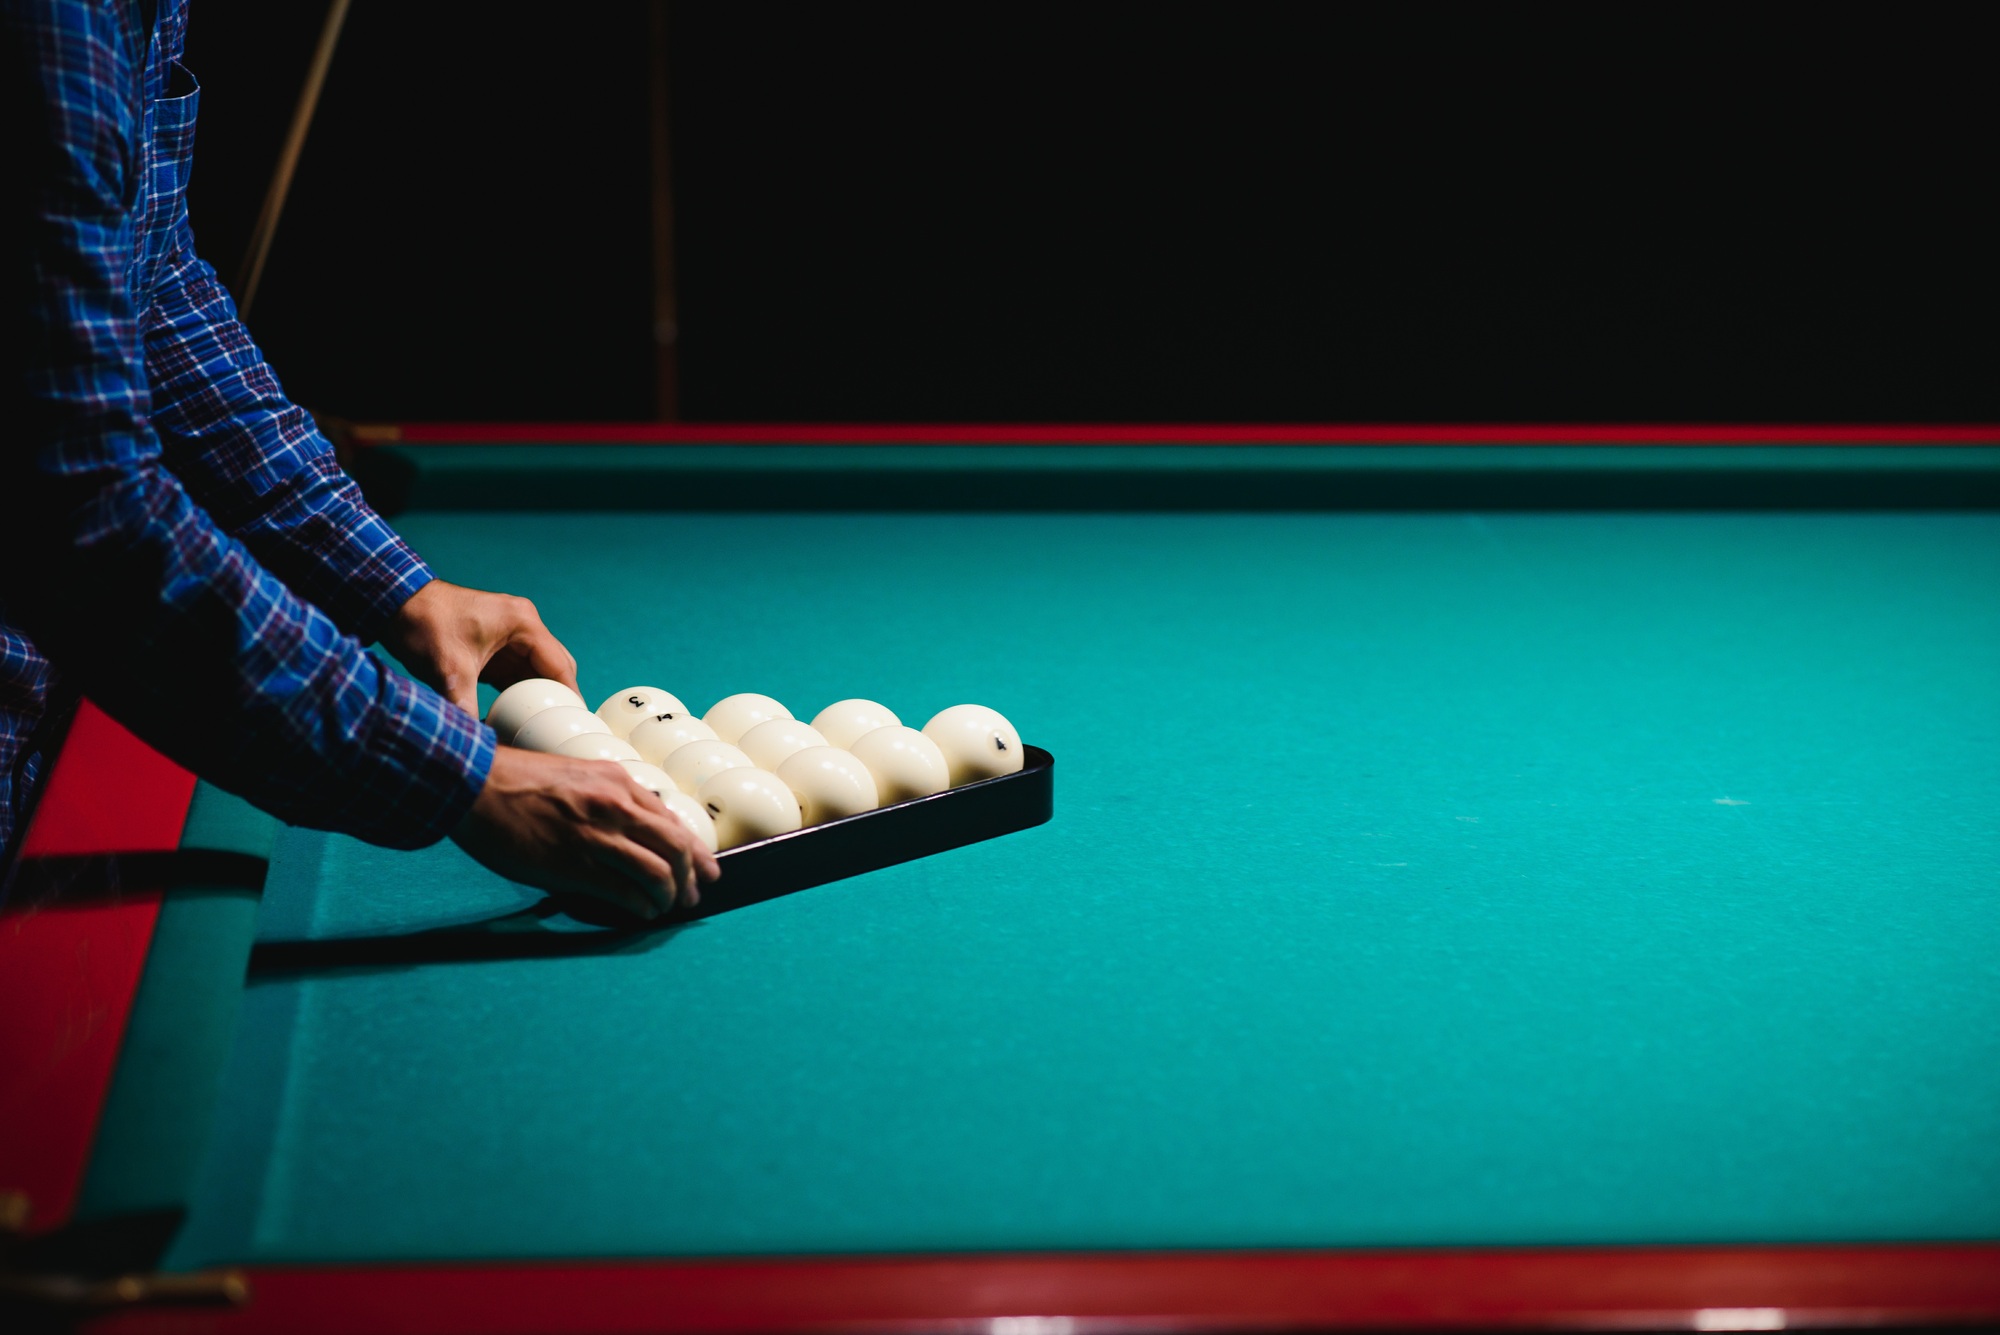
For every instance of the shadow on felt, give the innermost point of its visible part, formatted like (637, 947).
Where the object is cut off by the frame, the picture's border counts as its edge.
(525, 934)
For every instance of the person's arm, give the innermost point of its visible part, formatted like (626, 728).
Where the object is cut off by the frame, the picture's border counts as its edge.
(170, 625)
(257, 464)
(162, 618)
(254, 460)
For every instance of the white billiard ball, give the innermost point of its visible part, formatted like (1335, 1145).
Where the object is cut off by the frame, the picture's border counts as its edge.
(656, 781)
(659, 738)
(597, 746)
(978, 743)
(829, 783)
(554, 726)
(696, 763)
(748, 804)
(522, 701)
(771, 741)
(736, 715)
(844, 722)
(638, 704)
(650, 777)
(694, 816)
(905, 764)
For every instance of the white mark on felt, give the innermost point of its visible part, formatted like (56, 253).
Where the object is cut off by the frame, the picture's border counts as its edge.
(1730, 802)
(1471, 819)
(1392, 864)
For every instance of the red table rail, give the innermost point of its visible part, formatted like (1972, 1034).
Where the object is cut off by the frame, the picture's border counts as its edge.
(1695, 1288)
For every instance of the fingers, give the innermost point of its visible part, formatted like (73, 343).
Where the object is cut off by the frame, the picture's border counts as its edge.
(584, 826)
(660, 831)
(546, 655)
(701, 862)
(643, 881)
(452, 638)
(611, 886)
(521, 647)
(652, 843)
(498, 833)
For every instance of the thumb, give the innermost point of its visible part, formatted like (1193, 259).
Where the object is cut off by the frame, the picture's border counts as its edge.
(546, 656)
(458, 681)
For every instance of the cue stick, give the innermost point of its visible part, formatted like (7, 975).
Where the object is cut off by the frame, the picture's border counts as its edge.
(252, 271)
(666, 313)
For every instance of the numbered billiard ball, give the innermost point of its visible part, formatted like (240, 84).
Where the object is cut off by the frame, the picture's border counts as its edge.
(696, 763)
(905, 764)
(522, 701)
(845, 722)
(747, 805)
(556, 725)
(687, 808)
(737, 714)
(978, 743)
(654, 780)
(829, 783)
(656, 739)
(695, 817)
(639, 704)
(651, 777)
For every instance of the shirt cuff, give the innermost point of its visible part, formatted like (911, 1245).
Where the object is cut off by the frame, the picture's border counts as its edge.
(441, 756)
(377, 573)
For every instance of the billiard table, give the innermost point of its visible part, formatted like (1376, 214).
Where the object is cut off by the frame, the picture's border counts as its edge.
(1509, 876)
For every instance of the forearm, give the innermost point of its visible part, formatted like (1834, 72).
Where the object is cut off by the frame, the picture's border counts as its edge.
(176, 632)
(110, 567)
(255, 461)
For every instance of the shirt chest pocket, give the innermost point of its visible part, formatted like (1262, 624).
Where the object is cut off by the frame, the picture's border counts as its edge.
(165, 164)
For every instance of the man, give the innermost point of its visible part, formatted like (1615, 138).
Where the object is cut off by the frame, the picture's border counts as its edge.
(177, 542)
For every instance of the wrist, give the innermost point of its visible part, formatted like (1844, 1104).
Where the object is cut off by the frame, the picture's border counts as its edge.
(385, 604)
(418, 607)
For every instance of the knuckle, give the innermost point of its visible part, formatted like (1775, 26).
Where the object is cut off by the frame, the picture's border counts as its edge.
(596, 801)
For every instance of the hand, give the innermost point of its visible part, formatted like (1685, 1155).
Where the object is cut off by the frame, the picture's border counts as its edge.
(451, 638)
(584, 826)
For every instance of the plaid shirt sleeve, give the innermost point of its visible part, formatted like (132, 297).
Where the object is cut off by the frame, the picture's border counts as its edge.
(247, 455)
(131, 589)
(254, 460)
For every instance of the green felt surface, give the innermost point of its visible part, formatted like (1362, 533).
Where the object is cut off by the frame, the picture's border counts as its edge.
(1414, 879)
(160, 1108)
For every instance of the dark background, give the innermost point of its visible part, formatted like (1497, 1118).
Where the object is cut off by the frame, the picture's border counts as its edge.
(1092, 212)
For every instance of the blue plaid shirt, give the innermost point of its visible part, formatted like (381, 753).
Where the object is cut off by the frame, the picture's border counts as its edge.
(176, 540)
